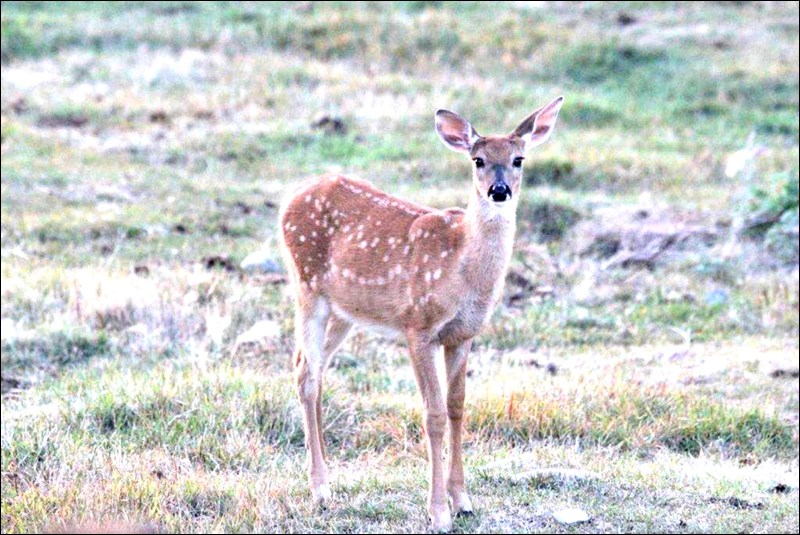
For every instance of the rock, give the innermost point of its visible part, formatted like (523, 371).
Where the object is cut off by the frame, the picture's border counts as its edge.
(570, 516)
(777, 374)
(780, 488)
(716, 297)
(263, 262)
(260, 331)
(218, 261)
(329, 125)
(626, 19)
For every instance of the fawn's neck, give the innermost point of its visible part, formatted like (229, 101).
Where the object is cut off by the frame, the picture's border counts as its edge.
(490, 241)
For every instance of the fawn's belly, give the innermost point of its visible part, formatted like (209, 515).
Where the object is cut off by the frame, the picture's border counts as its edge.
(388, 330)
(450, 320)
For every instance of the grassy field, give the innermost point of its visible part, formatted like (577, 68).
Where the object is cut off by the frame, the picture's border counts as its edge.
(642, 365)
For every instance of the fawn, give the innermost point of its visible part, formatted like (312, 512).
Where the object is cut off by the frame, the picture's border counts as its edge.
(359, 255)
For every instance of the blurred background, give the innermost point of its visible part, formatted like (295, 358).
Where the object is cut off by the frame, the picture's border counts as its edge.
(145, 315)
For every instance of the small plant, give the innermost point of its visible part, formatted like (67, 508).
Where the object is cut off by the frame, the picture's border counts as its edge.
(772, 214)
(778, 196)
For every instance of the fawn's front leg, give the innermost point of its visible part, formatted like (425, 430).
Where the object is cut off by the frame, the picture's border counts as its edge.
(423, 351)
(455, 358)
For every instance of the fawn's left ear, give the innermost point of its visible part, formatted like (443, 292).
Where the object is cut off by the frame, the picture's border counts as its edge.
(537, 127)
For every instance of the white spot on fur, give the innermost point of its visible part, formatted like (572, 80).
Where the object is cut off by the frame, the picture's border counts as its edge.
(302, 238)
(437, 274)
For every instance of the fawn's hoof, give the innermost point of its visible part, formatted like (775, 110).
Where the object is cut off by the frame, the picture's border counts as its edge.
(322, 494)
(462, 505)
(441, 522)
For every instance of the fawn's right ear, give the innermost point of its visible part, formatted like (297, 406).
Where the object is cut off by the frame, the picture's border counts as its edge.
(455, 131)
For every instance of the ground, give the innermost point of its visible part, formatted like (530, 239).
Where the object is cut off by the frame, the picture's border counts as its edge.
(642, 366)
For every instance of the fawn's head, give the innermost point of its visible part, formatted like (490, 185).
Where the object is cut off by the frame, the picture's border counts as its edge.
(497, 170)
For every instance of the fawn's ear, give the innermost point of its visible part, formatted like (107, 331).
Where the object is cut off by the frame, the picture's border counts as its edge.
(537, 127)
(455, 131)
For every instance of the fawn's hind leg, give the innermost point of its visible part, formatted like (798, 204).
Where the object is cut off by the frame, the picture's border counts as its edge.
(336, 333)
(312, 316)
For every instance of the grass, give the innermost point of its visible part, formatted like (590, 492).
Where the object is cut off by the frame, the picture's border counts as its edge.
(177, 440)
(142, 141)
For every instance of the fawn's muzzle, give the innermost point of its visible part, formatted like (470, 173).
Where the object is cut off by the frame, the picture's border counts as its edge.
(499, 192)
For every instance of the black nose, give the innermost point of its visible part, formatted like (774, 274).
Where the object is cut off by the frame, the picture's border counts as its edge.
(500, 192)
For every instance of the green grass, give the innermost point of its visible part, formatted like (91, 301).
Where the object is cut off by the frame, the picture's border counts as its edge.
(174, 433)
(141, 139)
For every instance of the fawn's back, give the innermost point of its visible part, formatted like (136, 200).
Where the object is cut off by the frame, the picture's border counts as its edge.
(378, 259)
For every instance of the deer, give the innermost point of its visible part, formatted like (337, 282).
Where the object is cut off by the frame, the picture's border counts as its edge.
(358, 255)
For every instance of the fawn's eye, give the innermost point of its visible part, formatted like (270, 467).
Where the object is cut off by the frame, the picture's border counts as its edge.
(479, 163)
(518, 162)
